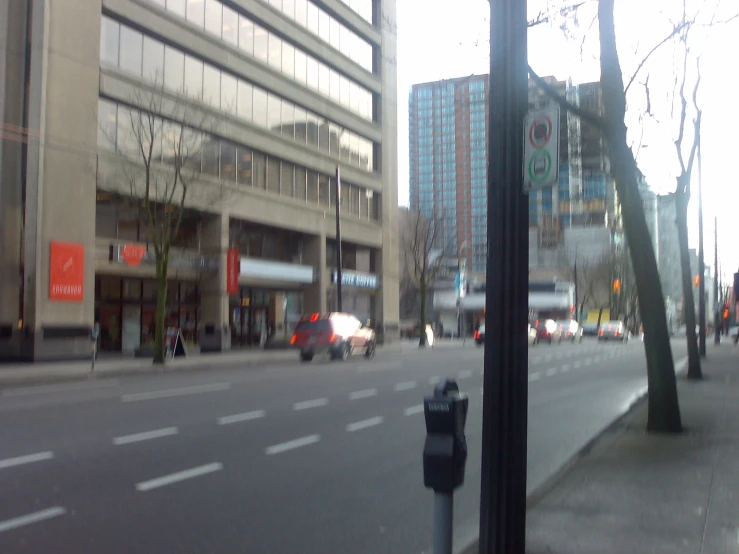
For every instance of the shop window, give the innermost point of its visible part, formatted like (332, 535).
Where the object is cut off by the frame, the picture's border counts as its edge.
(189, 293)
(110, 288)
(132, 289)
(150, 291)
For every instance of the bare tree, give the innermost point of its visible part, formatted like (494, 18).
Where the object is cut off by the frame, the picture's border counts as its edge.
(422, 259)
(160, 145)
(593, 284)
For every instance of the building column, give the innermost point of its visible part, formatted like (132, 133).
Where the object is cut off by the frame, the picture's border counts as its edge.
(215, 333)
(314, 253)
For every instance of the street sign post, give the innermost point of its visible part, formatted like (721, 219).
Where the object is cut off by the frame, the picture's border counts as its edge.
(541, 149)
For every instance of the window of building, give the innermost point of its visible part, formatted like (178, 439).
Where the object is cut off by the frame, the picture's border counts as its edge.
(196, 12)
(131, 50)
(109, 41)
(244, 166)
(228, 161)
(212, 86)
(213, 17)
(193, 77)
(230, 27)
(261, 44)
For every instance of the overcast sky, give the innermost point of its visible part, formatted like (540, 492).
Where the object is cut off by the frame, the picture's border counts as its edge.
(442, 39)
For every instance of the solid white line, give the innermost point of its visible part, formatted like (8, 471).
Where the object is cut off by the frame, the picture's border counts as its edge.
(364, 424)
(145, 436)
(405, 386)
(291, 445)
(30, 458)
(366, 393)
(237, 418)
(27, 519)
(413, 410)
(534, 377)
(551, 371)
(169, 393)
(434, 380)
(179, 476)
(464, 374)
(49, 389)
(307, 404)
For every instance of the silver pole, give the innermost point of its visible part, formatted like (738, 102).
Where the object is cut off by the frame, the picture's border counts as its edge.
(443, 522)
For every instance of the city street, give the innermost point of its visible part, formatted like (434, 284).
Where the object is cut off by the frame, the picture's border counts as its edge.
(287, 458)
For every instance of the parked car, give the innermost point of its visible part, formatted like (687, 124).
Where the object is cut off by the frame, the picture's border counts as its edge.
(613, 330)
(590, 330)
(338, 334)
(547, 330)
(479, 335)
(570, 330)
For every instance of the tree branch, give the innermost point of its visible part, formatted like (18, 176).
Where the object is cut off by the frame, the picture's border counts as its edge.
(585, 115)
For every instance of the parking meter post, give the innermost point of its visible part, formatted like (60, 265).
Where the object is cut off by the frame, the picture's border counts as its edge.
(444, 456)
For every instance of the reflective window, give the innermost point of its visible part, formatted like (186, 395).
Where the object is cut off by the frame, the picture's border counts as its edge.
(312, 25)
(260, 107)
(326, 194)
(229, 91)
(171, 134)
(244, 166)
(228, 161)
(286, 179)
(213, 17)
(301, 12)
(196, 12)
(300, 179)
(324, 22)
(131, 51)
(312, 187)
(261, 43)
(211, 150)
(273, 175)
(288, 60)
(324, 84)
(192, 149)
(174, 69)
(313, 129)
(259, 165)
(334, 33)
(312, 73)
(323, 136)
(288, 8)
(109, 37)
(334, 80)
(193, 77)
(107, 124)
(275, 51)
(230, 30)
(212, 86)
(154, 60)
(288, 120)
(126, 142)
(301, 118)
(245, 100)
(177, 6)
(274, 109)
(334, 133)
(246, 35)
(301, 69)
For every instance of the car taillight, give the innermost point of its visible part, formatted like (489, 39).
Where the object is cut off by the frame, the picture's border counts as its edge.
(293, 339)
(600, 333)
(332, 337)
(477, 334)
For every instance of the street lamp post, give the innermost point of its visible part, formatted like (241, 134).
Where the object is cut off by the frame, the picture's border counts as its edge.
(339, 304)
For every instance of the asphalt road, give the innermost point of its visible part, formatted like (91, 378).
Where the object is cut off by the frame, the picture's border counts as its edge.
(291, 458)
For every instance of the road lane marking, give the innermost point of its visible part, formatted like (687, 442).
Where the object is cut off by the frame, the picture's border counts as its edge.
(292, 445)
(308, 404)
(413, 410)
(50, 389)
(145, 436)
(366, 393)
(405, 386)
(587, 361)
(565, 368)
(35, 517)
(551, 371)
(434, 380)
(179, 476)
(364, 424)
(29, 459)
(534, 377)
(464, 374)
(237, 418)
(560, 356)
(578, 364)
(169, 393)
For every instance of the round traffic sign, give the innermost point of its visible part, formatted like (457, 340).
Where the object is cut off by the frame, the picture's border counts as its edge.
(540, 131)
(540, 166)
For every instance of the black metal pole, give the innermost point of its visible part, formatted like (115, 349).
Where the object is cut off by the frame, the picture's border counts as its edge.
(505, 399)
(716, 300)
(339, 304)
(701, 264)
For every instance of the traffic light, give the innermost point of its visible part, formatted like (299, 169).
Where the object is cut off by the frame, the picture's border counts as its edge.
(696, 280)
(726, 312)
(616, 286)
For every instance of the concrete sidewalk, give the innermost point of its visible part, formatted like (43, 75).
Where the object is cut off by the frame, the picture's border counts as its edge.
(635, 492)
(22, 373)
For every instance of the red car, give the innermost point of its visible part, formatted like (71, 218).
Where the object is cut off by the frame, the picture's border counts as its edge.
(336, 333)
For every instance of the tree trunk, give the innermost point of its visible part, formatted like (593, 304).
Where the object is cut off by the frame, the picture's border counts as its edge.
(663, 408)
(681, 219)
(160, 356)
(422, 339)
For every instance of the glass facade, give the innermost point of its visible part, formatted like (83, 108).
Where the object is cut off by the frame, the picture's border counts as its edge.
(132, 52)
(218, 158)
(328, 28)
(241, 32)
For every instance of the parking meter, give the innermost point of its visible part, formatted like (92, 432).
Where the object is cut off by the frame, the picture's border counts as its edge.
(445, 450)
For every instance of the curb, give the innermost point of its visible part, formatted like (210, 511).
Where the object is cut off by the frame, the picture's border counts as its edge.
(536, 495)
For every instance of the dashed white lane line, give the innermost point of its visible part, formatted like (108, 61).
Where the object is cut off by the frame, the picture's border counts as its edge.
(28, 519)
(578, 364)
(364, 424)
(169, 393)
(237, 418)
(308, 404)
(413, 410)
(145, 436)
(534, 377)
(464, 374)
(292, 445)
(51, 389)
(29, 459)
(551, 371)
(366, 393)
(434, 380)
(565, 368)
(405, 386)
(179, 476)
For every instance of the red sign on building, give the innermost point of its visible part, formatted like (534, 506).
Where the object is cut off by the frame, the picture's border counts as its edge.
(232, 271)
(66, 271)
